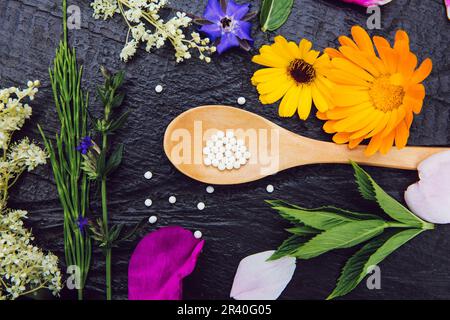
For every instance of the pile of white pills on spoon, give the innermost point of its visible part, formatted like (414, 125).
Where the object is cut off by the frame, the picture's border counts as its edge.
(225, 151)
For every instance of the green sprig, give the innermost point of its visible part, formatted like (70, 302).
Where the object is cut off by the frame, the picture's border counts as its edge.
(320, 230)
(102, 162)
(71, 182)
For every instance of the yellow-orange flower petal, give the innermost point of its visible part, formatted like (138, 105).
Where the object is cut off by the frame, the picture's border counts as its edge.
(296, 74)
(375, 93)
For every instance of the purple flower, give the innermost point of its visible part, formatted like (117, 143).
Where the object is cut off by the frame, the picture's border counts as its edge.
(85, 144)
(82, 222)
(228, 24)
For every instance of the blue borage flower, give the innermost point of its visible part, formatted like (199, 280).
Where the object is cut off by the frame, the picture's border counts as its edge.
(227, 23)
(85, 144)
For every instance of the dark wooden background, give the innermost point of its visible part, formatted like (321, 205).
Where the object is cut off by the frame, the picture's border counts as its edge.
(236, 222)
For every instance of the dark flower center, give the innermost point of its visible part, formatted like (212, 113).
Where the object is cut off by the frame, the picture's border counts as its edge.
(225, 22)
(302, 71)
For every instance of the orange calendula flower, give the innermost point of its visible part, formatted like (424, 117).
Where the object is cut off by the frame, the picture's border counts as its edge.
(375, 95)
(295, 73)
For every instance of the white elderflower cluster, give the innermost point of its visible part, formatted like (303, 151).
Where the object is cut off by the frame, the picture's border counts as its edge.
(26, 155)
(139, 14)
(13, 112)
(24, 268)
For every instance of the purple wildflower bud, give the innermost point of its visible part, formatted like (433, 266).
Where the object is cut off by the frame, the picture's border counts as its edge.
(82, 222)
(85, 144)
(227, 24)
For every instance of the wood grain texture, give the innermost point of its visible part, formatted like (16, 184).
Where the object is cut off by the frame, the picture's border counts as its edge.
(236, 222)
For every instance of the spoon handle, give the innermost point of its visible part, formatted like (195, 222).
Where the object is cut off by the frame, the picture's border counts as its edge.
(407, 158)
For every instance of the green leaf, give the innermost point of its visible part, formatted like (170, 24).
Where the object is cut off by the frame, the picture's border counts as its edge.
(342, 236)
(288, 247)
(321, 218)
(372, 191)
(115, 160)
(119, 122)
(371, 254)
(302, 230)
(274, 13)
(117, 100)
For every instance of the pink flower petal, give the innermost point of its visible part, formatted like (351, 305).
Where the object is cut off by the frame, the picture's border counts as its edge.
(259, 279)
(368, 3)
(447, 5)
(429, 198)
(160, 262)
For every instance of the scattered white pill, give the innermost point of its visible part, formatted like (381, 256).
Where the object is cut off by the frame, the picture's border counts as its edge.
(237, 165)
(214, 137)
(200, 206)
(210, 144)
(241, 101)
(152, 219)
(270, 188)
(159, 88)
(148, 202)
(198, 234)
(220, 134)
(148, 175)
(172, 199)
(215, 162)
(210, 189)
(230, 134)
(230, 165)
(242, 161)
(221, 166)
(240, 142)
(207, 161)
(247, 155)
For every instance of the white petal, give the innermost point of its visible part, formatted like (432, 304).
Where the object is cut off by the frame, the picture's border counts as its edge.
(429, 198)
(259, 279)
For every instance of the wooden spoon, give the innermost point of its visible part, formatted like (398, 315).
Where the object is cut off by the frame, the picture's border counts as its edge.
(272, 148)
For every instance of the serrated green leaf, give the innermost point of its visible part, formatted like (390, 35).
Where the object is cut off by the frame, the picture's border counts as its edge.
(301, 230)
(371, 254)
(320, 218)
(372, 191)
(288, 247)
(274, 13)
(342, 236)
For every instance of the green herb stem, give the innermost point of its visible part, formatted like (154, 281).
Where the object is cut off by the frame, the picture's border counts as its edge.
(105, 224)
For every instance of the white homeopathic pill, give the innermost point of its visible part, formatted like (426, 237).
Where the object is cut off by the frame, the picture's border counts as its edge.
(198, 234)
(159, 88)
(230, 134)
(241, 101)
(220, 134)
(152, 219)
(210, 189)
(221, 166)
(148, 202)
(270, 188)
(200, 206)
(148, 175)
(172, 199)
(207, 161)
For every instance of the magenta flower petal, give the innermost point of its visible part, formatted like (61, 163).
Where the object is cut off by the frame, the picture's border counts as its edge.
(447, 5)
(160, 262)
(368, 3)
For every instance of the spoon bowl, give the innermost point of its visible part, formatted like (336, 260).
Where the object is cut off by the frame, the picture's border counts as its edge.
(272, 147)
